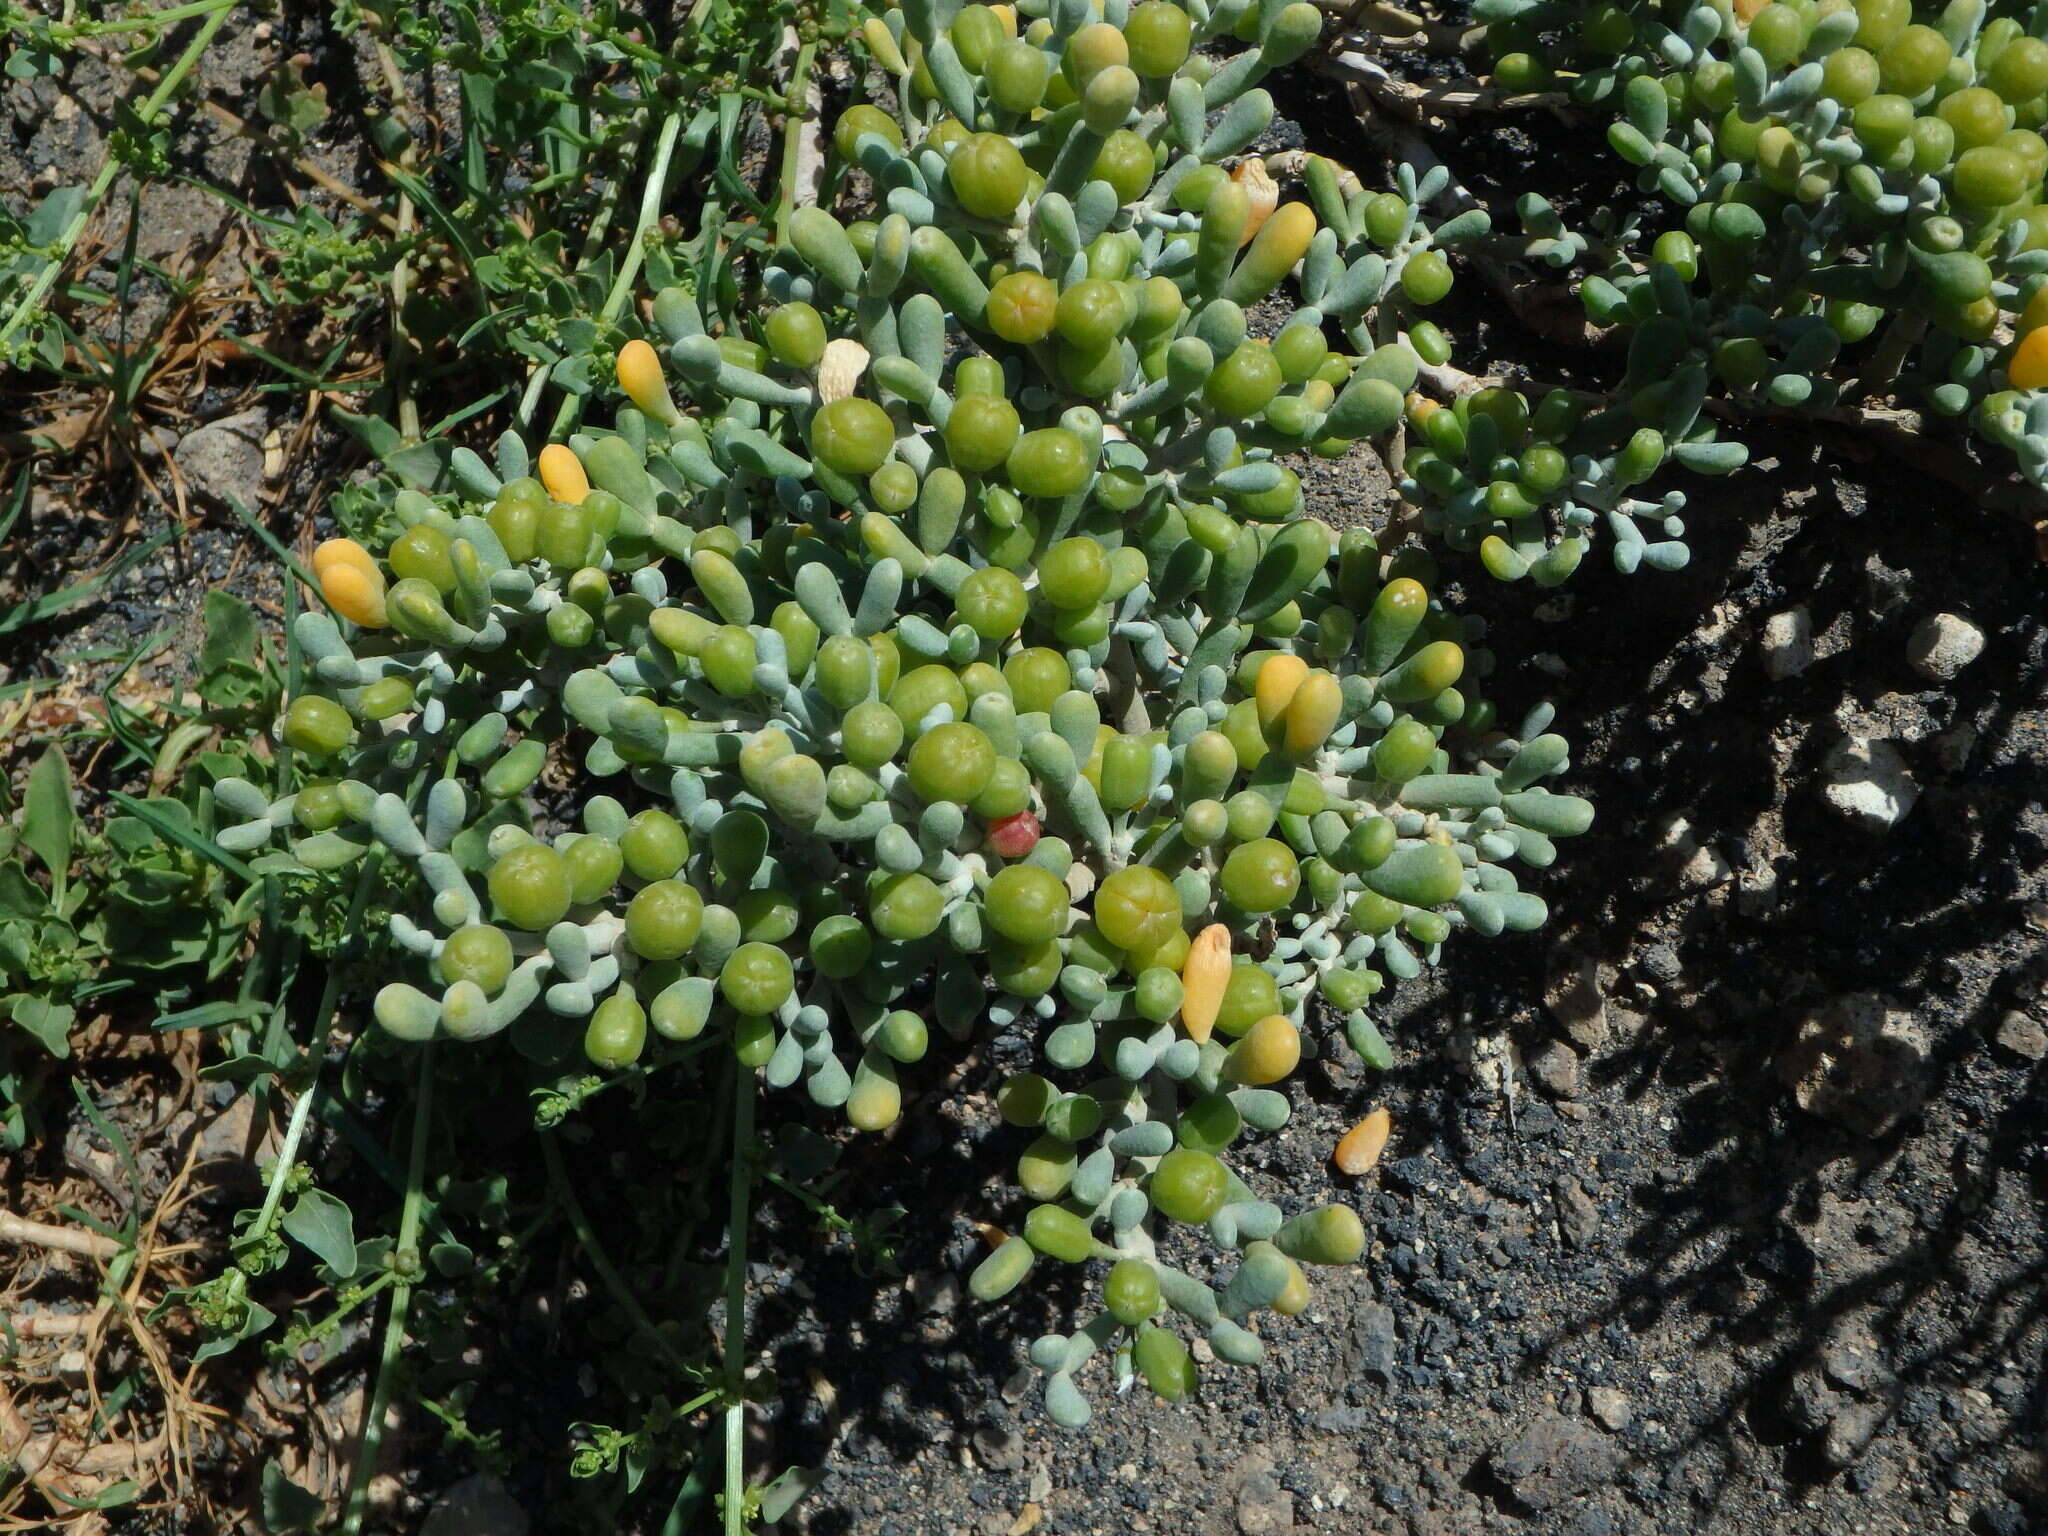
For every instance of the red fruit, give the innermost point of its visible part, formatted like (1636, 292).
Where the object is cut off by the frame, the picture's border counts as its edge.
(1014, 836)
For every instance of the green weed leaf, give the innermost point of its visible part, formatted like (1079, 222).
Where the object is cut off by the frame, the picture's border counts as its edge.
(49, 819)
(323, 1224)
(49, 1022)
(286, 1506)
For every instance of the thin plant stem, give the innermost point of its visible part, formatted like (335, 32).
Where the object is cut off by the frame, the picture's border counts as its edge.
(586, 1236)
(64, 31)
(793, 125)
(408, 1258)
(400, 353)
(216, 13)
(302, 1111)
(636, 249)
(736, 1301)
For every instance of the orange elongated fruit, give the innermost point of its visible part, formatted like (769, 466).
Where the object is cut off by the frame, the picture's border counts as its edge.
(1358, 1150)
(1203, 977)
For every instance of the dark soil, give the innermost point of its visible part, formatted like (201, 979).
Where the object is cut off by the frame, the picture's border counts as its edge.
(1619, 1281)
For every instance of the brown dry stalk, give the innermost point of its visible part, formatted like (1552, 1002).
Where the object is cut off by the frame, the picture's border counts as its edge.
(51, 1325)
(42, 1234)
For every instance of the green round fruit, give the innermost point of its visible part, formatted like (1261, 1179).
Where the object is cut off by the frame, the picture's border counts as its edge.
(988, 176)
(992, 602)
(1913, 61)
(594, 864)
(921, 690)
(756, 978)
(1131, 1291)
(1017, 75)
(477, 953)
(871, 733)
(981, 432)
(654, 845)
(1037, 675)
(1125, 162)
(1260, 876)
(1158, 34)
(1049, 462)
(853, 436)
(530, 887)
(1137, 907)
(1091, 314)
(905, 906)
(1188, 1186)
(1026, 904)
(863, 118)
(952, 762)
(1245, 382)
(315, 726)
(1426, 277)
(1074, 573)
(1022, 307)
(663, 920)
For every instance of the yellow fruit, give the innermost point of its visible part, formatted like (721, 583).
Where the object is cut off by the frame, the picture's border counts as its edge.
(1268, 1051)
(562, 473)
(1312, 713)
(2028, 368)
(1282, 239)
(640, 377)
(344, 552)
(1273, 691)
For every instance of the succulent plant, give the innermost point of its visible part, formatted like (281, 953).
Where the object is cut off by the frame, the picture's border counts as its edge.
(945, 644)
(1856, 197)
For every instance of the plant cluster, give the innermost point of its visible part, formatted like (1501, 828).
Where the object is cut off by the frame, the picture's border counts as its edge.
(947, 643)
(133, 902)
(1855, 199)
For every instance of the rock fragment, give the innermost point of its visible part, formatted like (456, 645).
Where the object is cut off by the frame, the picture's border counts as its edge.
(1867, 783)
(1787, 644)
(1942, 644)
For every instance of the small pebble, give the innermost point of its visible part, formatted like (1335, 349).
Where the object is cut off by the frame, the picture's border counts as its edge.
(1867, 783)
(1555, 1067)
(1942, 644)
(2022, 1034)
(1787, 644)
(1610, 1408)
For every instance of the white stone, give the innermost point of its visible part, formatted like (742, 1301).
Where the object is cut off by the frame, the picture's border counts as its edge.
(1943, 644)
(223, 460)
(1868, 783)
(1788, 644)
